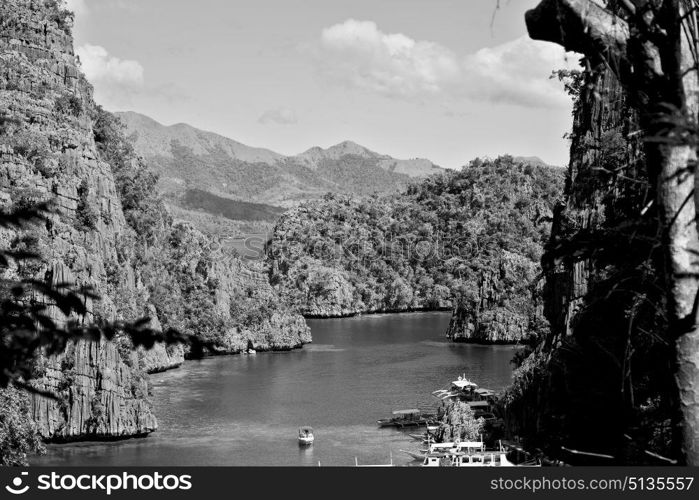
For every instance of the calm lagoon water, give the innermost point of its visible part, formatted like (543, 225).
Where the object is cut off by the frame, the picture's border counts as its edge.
(245, 410)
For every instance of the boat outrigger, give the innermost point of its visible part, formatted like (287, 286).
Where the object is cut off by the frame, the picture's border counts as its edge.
(404, 418)
(306, 436)
(461, 454)
(464, 389)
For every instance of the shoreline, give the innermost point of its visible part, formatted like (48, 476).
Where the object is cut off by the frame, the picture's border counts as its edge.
(377, 311)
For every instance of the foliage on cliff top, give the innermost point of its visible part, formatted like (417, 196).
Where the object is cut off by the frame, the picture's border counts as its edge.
(419, 249)
(144, 210)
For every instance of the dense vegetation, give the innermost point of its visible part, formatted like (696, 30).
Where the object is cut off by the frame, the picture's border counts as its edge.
(198, 199)
(189, 275)
(352, 173)
(418, 250)
(145, 212)
(18, 436)
(459, 423)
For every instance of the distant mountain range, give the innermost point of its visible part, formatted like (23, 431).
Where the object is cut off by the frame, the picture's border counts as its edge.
(191, 159)
(226, 187)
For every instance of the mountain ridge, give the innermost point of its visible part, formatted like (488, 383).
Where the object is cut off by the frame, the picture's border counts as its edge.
(211, 180)
(136, 122)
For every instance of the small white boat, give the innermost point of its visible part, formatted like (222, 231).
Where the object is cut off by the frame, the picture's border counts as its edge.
(250, 350)
(306, 436)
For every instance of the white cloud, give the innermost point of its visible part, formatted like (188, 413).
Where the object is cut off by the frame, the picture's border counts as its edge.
(115, 80)
(278, 116)
(517, 72)
(99, 66)
(358, 54)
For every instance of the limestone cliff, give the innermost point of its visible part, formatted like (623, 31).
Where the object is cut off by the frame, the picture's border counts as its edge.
(109, 231)
(275, 328)
(470, 239)
(202, 288)
(502, 310)
(48, 153)
(607, 346)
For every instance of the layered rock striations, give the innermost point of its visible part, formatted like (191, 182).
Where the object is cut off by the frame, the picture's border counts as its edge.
(48, 153)
(110, 231)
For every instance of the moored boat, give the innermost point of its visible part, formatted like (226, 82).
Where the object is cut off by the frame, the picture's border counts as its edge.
(404, 418)
(465, 454)
(447, 449)
(306, 436)
(463, 389)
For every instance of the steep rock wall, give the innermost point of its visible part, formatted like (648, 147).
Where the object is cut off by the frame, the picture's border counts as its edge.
(281, 329)
(608, 344)
(206, 290)
(47, 153)
(501, 312)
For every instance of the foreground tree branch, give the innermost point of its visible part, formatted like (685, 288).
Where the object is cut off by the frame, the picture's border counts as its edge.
(654, 55)
(582, 26)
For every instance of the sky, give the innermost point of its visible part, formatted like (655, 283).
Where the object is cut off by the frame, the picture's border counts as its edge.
(447, 80)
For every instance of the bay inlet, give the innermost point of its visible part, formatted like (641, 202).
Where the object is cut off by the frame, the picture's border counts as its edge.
(245, 410)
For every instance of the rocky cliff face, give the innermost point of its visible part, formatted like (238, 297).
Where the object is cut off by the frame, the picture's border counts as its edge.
(200, 287)
(607, 346)
(501, 312)
(276, 328)
(56, 145)
(470, 239)
(48, 153)
(604, 140)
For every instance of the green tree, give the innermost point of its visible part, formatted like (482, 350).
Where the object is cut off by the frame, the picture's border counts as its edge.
(18, 435)
(460, 424)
